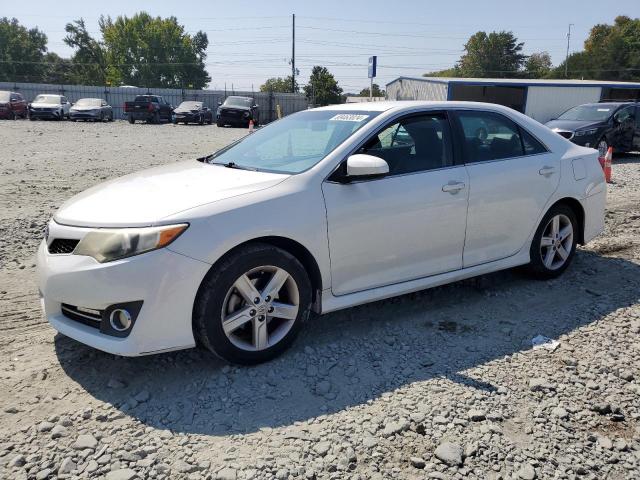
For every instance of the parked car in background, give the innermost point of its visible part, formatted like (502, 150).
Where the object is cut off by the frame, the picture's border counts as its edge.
(192, 112)
(150, 108)
(237, 112)
(12, 105)
(94, 109)
(49, 106)
(601, 125)
(322, 210)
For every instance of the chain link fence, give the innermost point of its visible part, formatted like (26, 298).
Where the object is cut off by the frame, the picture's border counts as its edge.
(116, 96)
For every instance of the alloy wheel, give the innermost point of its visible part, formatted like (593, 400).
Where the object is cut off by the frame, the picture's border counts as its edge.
(556, 242)
(260, 308)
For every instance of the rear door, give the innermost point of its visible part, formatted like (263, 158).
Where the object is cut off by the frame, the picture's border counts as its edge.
(512, 176)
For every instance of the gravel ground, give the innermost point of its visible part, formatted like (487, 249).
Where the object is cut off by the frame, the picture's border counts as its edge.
(438, 384)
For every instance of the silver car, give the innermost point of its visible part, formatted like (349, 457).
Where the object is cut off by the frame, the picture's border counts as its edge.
(94, 109)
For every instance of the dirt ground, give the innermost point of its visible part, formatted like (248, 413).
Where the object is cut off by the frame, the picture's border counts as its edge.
(438, 384)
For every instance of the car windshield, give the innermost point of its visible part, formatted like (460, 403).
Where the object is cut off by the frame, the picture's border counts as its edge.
(4, 96)
(89, 102)
(190, 105)
(295, 143)
(595, 113)
(238, 102)
(47, 99)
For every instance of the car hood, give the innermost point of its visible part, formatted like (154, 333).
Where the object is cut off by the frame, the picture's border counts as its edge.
(572, 125)
(46, 105)
(145, 198)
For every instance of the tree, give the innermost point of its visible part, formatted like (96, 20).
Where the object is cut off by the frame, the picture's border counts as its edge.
(497, 54)
(89, 66)
(22, 52)
(153, 52)
(376, 91)
(278, 85)
(538, 65)
(448, 72)
(57, 70)
(322, 88)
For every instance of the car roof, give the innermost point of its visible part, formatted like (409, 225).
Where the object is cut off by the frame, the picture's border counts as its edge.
(400, 105)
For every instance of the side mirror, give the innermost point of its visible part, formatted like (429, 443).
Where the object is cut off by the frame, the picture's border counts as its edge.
(219, 103)
(362, 167)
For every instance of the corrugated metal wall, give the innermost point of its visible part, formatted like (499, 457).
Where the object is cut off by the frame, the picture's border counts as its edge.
(116, 96)
(545, 103)
(408, 89)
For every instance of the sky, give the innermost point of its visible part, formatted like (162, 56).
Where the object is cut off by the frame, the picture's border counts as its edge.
(250, 41)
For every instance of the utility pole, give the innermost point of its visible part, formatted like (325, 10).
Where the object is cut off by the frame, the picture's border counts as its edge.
(566, 61)
(293, 53)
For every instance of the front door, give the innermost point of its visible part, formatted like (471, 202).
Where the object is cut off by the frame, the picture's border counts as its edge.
(624, 125)
(512, 177)
(407, 225)
(636, 134)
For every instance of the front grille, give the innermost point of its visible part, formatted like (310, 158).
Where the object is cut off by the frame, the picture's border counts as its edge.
(231, 113)
(62, 246)
(86, 316)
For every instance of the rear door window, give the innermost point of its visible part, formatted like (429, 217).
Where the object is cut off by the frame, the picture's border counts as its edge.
(489, 136)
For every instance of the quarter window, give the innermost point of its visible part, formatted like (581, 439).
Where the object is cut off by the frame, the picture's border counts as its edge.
(489, 136)
(413, 144)
(531, 145)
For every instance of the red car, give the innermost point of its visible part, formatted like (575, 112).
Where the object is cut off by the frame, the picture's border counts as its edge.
(12, 105)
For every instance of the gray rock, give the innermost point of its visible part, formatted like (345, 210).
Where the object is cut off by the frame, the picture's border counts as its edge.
(477, 415)
(560, 413)
(115, 383)
(392, 428)
(527, 472)
(17, 461)
(85, 441)
(43, 474)
(59, 431)
(11, 409)
(143, 396)
(183, 467)
(605, 442)
(45, 426)
(540, 385)
(227, 473)
(323, 387)
(322, 448)
(417, 462)
(92, 466)
(121, 474)
(67, 466)
(449, 453)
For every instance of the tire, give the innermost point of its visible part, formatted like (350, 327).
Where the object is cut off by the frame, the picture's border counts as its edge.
(217, 294)
(210, 121)
(219, 124)
(13, 116)
(602, 146)
(201, 120)
(110, 118)
(156, 119)
(131, 119)
(548, 261)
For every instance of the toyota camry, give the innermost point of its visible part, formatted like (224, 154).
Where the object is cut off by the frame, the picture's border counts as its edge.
(319, 211)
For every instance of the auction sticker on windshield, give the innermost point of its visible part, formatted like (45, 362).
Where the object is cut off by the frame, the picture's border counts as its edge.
(349, 117)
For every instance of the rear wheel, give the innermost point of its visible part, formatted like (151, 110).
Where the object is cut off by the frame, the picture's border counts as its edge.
(219, 124)
(554, 243)
(131, 119)
(250, 308)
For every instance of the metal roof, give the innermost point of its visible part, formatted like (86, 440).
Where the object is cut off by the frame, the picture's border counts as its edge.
(520, 82)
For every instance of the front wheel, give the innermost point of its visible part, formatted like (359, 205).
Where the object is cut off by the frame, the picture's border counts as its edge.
(250, 308)
(554, 243)
(131, 119)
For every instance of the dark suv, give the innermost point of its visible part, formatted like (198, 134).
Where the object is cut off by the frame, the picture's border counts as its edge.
(12, 105)
(237, 111)
(601, 125)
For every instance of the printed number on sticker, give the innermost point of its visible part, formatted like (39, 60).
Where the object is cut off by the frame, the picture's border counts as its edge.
(349, 117)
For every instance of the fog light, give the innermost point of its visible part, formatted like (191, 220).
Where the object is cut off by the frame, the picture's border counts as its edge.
(120, 319)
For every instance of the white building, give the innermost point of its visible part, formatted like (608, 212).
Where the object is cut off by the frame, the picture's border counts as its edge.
(539, 99)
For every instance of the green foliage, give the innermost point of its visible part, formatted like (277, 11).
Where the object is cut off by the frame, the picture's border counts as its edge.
(279, 85)
(498, 54)
(323, 88)
(376, 91)
(611, 52)
(89, 66)
(57, 70)
(538, 65)
(448, 72)
(22, 52)
(153, 52)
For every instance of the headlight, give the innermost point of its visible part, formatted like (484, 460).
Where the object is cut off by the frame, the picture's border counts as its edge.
(106, 245)
(583, 133)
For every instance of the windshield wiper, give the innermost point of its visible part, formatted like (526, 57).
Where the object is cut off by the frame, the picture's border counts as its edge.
(234, 165)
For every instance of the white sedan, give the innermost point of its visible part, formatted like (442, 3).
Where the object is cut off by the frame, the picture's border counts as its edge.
(319, 211)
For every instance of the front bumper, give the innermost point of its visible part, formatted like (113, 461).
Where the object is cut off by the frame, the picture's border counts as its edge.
(166, 282)
(44, 113)
(187, 117)
(84, 115)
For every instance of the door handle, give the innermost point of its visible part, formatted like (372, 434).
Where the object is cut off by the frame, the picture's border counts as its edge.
(547, 171)
(453, 187)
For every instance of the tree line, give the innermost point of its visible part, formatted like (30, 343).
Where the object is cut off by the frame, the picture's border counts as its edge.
(157, 52)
